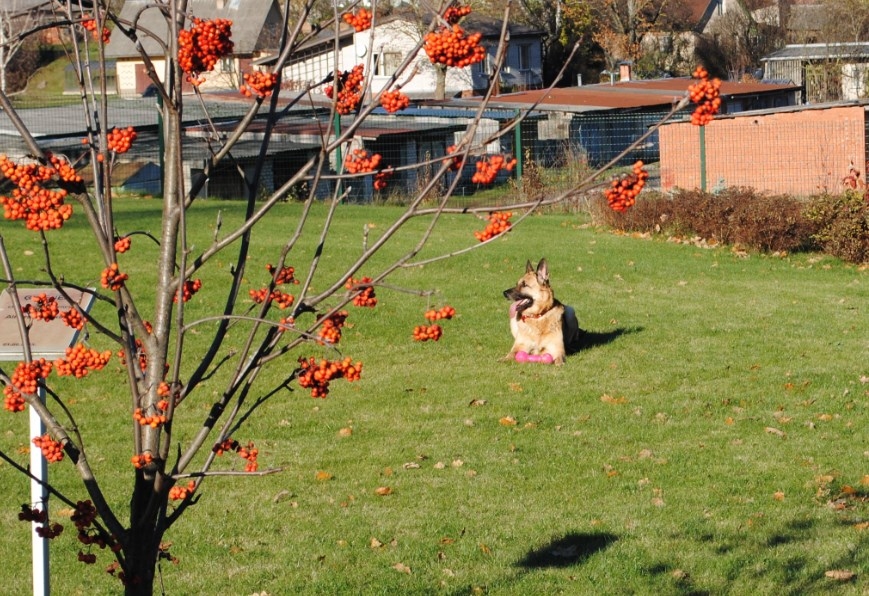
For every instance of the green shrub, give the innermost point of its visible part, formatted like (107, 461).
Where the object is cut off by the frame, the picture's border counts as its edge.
(842, 225)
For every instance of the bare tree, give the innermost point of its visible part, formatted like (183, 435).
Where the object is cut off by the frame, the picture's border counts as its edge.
(244, 341)
(13, 27)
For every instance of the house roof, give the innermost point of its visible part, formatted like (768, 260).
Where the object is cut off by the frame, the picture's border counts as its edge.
(19, 6)
(620, 95)
(250, 20)
(820, 51)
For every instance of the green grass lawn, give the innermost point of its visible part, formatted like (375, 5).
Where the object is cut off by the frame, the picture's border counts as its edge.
(711, 438)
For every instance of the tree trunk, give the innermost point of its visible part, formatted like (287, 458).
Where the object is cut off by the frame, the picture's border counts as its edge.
(440, 82)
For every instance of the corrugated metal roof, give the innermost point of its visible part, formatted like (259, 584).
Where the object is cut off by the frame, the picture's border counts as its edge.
(820, 51)
(619, 95)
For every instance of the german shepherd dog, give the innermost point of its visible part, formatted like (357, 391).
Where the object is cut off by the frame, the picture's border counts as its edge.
(540, 324)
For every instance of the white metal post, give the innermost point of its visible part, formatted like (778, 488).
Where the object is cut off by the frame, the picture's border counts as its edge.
(38, 498)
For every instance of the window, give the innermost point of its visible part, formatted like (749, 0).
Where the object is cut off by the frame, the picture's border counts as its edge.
(524, 56)
(386, 63)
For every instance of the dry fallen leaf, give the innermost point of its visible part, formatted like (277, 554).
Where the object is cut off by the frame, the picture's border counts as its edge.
(774, 431)
(375, 543)
(382, 491)
(609, 399)
(508, 421)
(478, 402)
(402, 568)
(345, 432)
(778, 495)
(840, 575)
(323, 476)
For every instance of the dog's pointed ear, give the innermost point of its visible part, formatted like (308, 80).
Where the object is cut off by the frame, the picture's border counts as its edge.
(529, 268)
(543, 272)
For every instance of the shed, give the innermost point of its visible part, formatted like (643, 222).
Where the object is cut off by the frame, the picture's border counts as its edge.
(826, 71)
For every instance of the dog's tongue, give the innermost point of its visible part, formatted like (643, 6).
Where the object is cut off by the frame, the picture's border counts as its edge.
(514, 307)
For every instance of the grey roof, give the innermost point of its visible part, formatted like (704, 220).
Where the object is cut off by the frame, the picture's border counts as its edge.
(820, 51)
(251, 24)
(19, 6)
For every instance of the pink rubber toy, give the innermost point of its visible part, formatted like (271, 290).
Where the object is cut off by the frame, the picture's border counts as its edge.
(522, 356)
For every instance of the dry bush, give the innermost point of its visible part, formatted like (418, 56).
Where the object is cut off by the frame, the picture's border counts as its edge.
(842, 225)
(734, 216)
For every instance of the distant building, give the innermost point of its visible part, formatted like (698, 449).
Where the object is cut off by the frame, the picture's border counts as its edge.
(827, 71)
(256, 28)
(395, 36)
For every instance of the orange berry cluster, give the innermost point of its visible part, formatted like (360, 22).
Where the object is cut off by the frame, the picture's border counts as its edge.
(450, 46)
(330, 331)
(445, 312)
(359, 161)
(32, 514)
(40, 207)
(287, 275)
(455, 162)
(433, 332)
(499, 222)
(706, 94)
(393, 101)
(79, 361)
(455, 12)
(381, 179)
(179, 493)
(140, 351)
(87, 558)
(121, 139)
(488, 168)
(49, 531)
(366, 296)
(43, 308)
(349, 86)
(427, 332)
(359, 20)
(72, 318)
(140, 461)
(122, 244)
(24, 380)
(316, 376)
(153, 420)
(39, 516)
(91, 25)
(259, 83)
(282, 299)
(248, 453)
(52, 450)
(200, 47)
(112, 279)
(622, 193)
(188, 289)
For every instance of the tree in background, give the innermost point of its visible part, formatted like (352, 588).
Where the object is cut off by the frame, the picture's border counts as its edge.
(737, 43)
(18, 51)
(624, 27)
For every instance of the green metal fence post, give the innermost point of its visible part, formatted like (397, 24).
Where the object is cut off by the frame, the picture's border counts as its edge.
(702, 158)
(517, 149)
(336, 124)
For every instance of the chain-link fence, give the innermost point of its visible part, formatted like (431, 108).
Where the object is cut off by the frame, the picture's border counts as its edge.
(799, 152)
